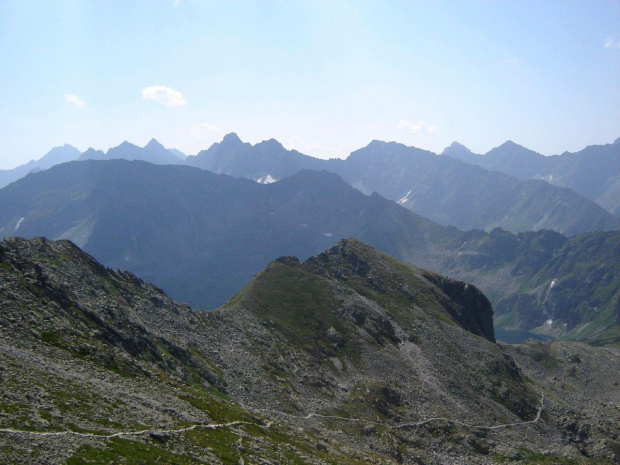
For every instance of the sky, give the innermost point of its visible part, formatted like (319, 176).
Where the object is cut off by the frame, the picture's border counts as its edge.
(322, 77)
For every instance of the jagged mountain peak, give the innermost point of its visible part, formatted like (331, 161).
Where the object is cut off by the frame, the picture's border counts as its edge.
(271, 144)
(154, 145)
(456, 149)
(92, 154)
(510, 146)
(124, 144)
(381, 143)
(457, 145)
(231, 139)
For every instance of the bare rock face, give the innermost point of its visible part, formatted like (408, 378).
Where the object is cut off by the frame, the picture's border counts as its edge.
(466, 304)
(473, 311)
(348, 357)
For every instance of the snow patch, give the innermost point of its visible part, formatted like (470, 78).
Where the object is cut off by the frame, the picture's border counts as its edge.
(126, 259)
(266, 179)
(404, 199)
(549, 322)
(328, 234)
(552, 284)
(19, 223)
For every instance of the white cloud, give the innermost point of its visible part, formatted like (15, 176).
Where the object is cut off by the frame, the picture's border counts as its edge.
(164, 95)
(75, 100)
(434, 130)
(197, 131)
(417, 128)
(611, 43)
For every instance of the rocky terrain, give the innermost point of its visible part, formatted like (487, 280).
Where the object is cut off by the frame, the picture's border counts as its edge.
(347, 357)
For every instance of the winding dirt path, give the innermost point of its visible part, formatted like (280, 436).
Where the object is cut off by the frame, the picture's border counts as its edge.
(268, 425)
(413, 425)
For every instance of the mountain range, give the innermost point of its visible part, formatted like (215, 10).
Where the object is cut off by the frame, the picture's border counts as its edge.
(349, 357)
(436, 187)
(593, 172)
(440, 188)
(152, 152)
(202, 237)
(55, 156)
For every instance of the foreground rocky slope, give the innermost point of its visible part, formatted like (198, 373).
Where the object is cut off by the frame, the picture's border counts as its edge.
(348, 357)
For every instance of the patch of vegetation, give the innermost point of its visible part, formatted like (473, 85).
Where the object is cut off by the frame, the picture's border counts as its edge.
(214, 404)
(525, 455)
(127, 452)
(51, 337)
(608, 337)
(298, 304)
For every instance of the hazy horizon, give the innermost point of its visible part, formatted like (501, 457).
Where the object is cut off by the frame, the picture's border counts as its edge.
(324, 79)
(82, 150)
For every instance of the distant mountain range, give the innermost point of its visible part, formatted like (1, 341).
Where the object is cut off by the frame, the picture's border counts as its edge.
(202, 236)
(260, 161)
(437, 187)
(55, 156)
(152, 152)
(594, 172)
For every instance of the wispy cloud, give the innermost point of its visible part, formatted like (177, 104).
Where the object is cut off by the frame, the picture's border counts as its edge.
(75, 100)
(417, 128)
(198, 130)
(611, 43)
(164, 95)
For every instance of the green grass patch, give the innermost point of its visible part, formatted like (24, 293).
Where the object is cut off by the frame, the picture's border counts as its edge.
(127, 452)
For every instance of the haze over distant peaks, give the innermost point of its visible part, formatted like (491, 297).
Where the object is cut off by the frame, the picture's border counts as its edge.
(439, 188)
(57, 155)
(232, 138)
(593, 172)
(457, 146)
(460, 152)
(153, 152)
(154, 145)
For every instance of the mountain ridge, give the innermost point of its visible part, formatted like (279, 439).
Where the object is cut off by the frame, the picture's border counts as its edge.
(429, 185)
(592, 171)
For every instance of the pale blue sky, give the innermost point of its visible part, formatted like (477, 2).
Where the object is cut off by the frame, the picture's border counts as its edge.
(323, 77)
